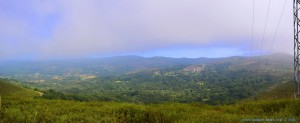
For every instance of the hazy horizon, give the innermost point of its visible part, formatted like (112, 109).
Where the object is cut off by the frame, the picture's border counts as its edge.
(105, 57)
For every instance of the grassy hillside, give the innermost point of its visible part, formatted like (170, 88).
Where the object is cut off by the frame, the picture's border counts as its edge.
(9, 89)
(284, 90)
(40, 110)
(16, 108)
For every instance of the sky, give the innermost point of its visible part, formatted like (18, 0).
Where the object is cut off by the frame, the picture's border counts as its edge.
(50, 29)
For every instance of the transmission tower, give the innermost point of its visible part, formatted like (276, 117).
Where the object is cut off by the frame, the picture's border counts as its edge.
(296, 7)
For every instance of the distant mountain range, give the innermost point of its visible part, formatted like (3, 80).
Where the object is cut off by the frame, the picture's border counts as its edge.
(115, 66)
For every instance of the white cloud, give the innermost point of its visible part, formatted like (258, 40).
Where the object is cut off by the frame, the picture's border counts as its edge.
(92, 26)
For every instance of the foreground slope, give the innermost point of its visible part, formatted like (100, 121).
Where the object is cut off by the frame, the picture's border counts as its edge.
(9, 89)
(16, 108)
(284, 90)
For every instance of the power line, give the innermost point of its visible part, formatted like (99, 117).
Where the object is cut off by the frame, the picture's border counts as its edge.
(263, 39)
(277, 28)
(264, 34)
(253, 17)
(273, 40)
(252, 34)
(259, 60)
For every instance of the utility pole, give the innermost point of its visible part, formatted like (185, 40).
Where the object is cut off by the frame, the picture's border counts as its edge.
(296, 7)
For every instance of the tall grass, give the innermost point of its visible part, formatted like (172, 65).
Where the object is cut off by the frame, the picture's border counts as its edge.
(18, 109)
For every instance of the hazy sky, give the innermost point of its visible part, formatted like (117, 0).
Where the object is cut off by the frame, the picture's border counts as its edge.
(45, 29)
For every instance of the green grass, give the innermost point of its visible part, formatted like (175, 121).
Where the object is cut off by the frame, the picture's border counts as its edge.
(17, 108)
(283, 90)
(9, 89)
